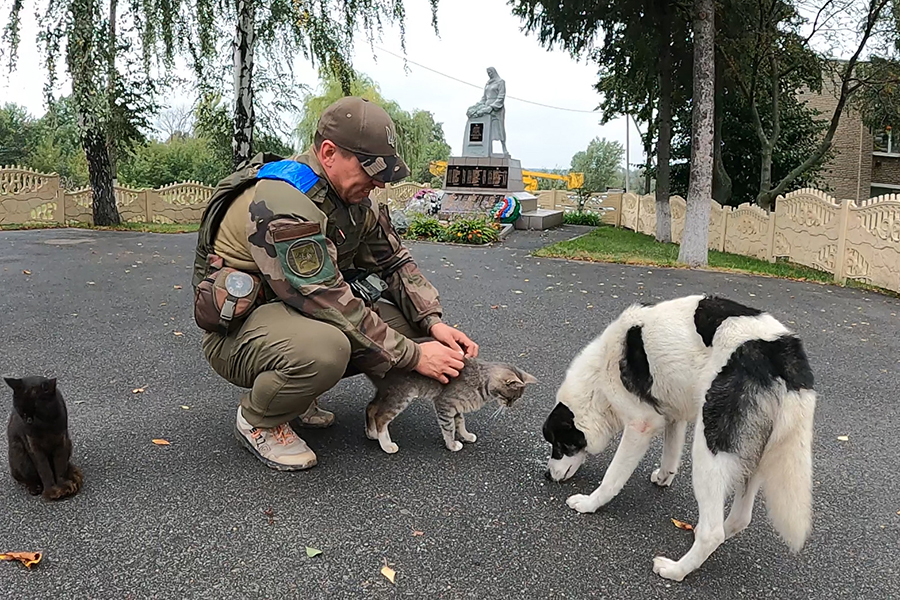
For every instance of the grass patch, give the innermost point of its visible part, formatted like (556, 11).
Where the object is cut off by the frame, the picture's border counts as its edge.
(582, 218)
(142, 227)
(609, 244)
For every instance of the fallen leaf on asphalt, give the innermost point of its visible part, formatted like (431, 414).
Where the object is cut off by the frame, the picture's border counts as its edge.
(138, 390)
(310, 552)
(270, 512)
(517, 291)
(161, 442)
(185, 407)
(29, 559)
(682, 525)
(26, 272)
(389, 573)
(178, 333)
(91, 283)
(495, 306)
(177, 287)
(415, 533)
(843, 438)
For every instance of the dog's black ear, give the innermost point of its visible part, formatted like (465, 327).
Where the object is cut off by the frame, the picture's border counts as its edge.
(15, 384)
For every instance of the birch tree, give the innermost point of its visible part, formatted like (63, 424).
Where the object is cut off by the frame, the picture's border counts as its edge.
(693, 250)
(277, 31)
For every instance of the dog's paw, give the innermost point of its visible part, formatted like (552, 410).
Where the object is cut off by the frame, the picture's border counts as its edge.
(35, 490)
(667, 568)
(390, 447)
(662, 478)
(371, 434)
(468, 437)
(454, 446)
(582, 503)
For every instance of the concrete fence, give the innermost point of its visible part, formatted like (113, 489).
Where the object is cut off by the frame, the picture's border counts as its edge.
(29, 197)
(808, 227)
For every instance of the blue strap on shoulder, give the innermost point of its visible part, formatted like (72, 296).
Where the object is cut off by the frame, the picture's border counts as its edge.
(297, 174)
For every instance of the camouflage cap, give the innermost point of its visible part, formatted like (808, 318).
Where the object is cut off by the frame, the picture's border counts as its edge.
(366, 130)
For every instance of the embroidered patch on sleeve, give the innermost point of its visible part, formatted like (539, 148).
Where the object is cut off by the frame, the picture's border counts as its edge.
(305, 258)
(305, 261)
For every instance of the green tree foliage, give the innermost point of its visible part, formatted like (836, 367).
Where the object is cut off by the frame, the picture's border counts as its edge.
(420, 139)
(17, 135)
(600, 162)
(801, 130)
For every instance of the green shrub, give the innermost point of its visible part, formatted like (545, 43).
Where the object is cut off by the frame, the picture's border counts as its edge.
(476, 230)
(582, 218)
(422, 227)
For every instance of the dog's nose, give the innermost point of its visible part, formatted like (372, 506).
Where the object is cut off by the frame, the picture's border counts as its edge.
(547, 475)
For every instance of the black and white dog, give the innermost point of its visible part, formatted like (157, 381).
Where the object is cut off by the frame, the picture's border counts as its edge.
(740, 375)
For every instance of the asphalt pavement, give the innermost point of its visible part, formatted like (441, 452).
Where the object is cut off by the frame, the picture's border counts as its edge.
(110, 312)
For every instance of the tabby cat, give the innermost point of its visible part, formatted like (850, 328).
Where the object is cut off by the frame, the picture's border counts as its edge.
(477, 383)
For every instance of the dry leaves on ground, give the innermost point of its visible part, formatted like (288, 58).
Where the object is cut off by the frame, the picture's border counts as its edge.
(416, 533)
(389, 573)
(843, 438)
(177, 287)
(26, 272)
(139, 390)
(683, 525)
(310, 552)
(29, 559)
(161, 442)
(178, 333)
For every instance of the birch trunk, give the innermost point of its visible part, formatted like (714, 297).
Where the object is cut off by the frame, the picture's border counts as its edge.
(664, 146)
(693, 251)
(242, 140)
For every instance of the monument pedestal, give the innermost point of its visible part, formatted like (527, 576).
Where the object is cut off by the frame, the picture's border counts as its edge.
(473, 185)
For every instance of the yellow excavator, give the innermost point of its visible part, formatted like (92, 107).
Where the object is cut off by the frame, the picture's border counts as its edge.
(530, 178)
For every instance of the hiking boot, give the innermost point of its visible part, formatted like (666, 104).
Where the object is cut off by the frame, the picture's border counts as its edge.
(278, 447)
(315, 418)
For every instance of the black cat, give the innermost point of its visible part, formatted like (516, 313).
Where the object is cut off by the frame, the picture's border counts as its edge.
(40, 449)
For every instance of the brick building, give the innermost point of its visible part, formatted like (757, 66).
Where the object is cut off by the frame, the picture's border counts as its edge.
(865, 163)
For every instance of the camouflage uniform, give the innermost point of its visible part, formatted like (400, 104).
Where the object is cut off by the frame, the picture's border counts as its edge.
(291, 227)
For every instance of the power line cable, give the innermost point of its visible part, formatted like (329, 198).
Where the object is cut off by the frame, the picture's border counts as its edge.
(480, 87)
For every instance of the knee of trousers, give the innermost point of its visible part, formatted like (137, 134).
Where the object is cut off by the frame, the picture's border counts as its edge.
(322, 368)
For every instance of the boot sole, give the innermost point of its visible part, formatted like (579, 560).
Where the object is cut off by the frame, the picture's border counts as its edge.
(269, 463)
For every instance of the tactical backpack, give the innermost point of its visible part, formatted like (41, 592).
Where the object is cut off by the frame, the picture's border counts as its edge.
(227, 190)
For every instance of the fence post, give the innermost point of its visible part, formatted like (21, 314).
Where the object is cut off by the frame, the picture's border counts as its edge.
(770, 244)
(619, 209)
(61, 200)
(839, 263)
(637, 214)
(726, 210)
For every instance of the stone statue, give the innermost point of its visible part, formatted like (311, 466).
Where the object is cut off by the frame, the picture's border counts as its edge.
(492, 103)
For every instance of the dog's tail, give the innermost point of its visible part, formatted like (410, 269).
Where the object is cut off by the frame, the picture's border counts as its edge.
(786, 469)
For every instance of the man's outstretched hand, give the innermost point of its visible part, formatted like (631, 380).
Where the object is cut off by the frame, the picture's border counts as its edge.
(454, 338)
(438, 361)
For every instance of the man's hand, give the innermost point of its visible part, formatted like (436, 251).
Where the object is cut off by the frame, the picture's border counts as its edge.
(437, 361)
(454, 338)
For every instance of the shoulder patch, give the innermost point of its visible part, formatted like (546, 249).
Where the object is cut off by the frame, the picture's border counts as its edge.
(712, 311)
(305, 258)
(297, 174)
(634, 368)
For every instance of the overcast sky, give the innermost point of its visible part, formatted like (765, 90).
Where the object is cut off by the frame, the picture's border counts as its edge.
(474, 34)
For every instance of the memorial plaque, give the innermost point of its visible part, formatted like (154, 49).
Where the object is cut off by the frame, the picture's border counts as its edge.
(470, 176)
(476, 132)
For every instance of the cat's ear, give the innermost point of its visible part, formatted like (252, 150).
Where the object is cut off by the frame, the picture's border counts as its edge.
(15, 384)
(527, 377)
(49, 386)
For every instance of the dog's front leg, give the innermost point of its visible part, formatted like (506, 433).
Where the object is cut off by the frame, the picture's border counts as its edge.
(671, 454)
(634, 444)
